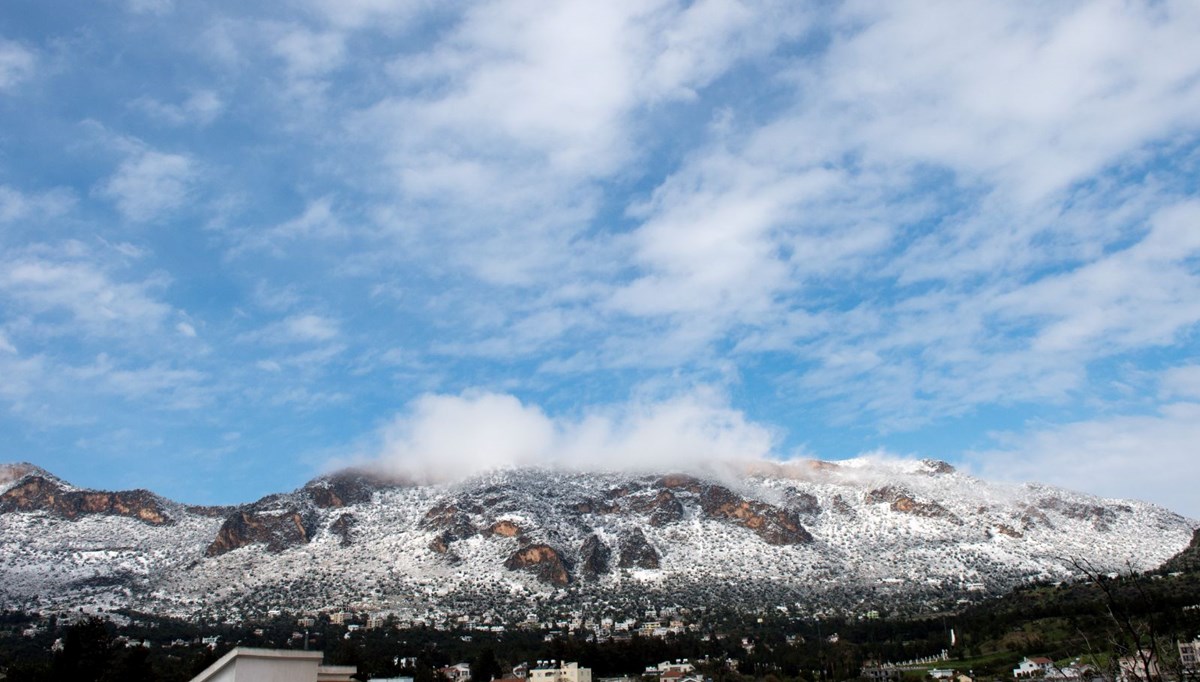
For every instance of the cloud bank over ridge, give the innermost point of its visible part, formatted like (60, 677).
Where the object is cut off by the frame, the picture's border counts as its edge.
(448, 437)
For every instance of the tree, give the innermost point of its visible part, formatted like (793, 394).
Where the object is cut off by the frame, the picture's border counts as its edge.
(485, 668)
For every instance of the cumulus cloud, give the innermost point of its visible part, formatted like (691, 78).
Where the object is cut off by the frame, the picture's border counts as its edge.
(443, 437)
(1150, 456)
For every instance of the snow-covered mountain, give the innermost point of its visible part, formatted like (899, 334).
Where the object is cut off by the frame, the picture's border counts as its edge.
(850, 535)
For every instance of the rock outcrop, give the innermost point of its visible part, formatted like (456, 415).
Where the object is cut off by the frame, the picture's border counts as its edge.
(902, 501)
(637, 552)
(774, 525)
(278, 530)
(38, 493)
(594, 557)
(343, 527)
(543, 561)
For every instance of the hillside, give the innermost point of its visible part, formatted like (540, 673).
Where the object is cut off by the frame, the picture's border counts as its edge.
(811, 536)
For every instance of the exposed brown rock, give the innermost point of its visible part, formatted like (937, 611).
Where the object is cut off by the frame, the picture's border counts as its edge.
(594, 557)
(902, 501)
(774, 525)
(505, 529)
(680, 482)
(15, 470)
(278, 531)
(637, 552)
(1100, 516)
(803, 503)
(937, 466)
(664, 508)
(343, 527)
(1005, 529)
(542, 560)
(37, 493)
(441, 542)
(1032, 517)
(453, 520)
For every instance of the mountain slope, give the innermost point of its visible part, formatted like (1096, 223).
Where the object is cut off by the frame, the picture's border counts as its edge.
(810, 535)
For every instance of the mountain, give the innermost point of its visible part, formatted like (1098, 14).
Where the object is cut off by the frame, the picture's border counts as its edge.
(808, 536)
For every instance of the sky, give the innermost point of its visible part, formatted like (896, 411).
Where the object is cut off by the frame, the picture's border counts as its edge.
(243, 243)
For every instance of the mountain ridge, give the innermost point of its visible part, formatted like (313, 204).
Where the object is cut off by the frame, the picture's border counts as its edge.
(815, 535)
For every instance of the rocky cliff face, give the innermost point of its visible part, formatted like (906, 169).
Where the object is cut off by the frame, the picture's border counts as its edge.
(38, 493)
(276, 530)
(543, 561)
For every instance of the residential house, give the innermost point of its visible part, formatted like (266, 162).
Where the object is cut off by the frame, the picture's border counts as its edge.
(1032, 667)
(459, 672)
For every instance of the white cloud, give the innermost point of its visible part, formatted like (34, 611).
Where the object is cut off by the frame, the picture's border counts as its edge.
(17, 206)
(71, 278)
(6, 345)
(452, 436)
(1140, 296)
(201, 107)
(1030, 96)
(310, 328)
(148, 184)
(171, 387)
(318, 221)
(186, 329)
(1181, 382)
(17, 64)
(156, 7)
(358, 14)
(308, 53)
(504, 129)
(1149, 457)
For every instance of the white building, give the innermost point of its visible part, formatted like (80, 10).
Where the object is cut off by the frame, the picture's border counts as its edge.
(566, 672)
(1033, 667)
(273, 665)
(459, 672)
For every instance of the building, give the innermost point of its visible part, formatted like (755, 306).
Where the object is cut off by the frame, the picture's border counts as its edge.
(459, 672)
(1189, 656)
(875, 672)
(566, 672)
(1143, 667)
(1033, 667)
(268, 665)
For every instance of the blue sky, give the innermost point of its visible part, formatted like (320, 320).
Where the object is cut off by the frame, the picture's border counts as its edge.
(240, 245)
